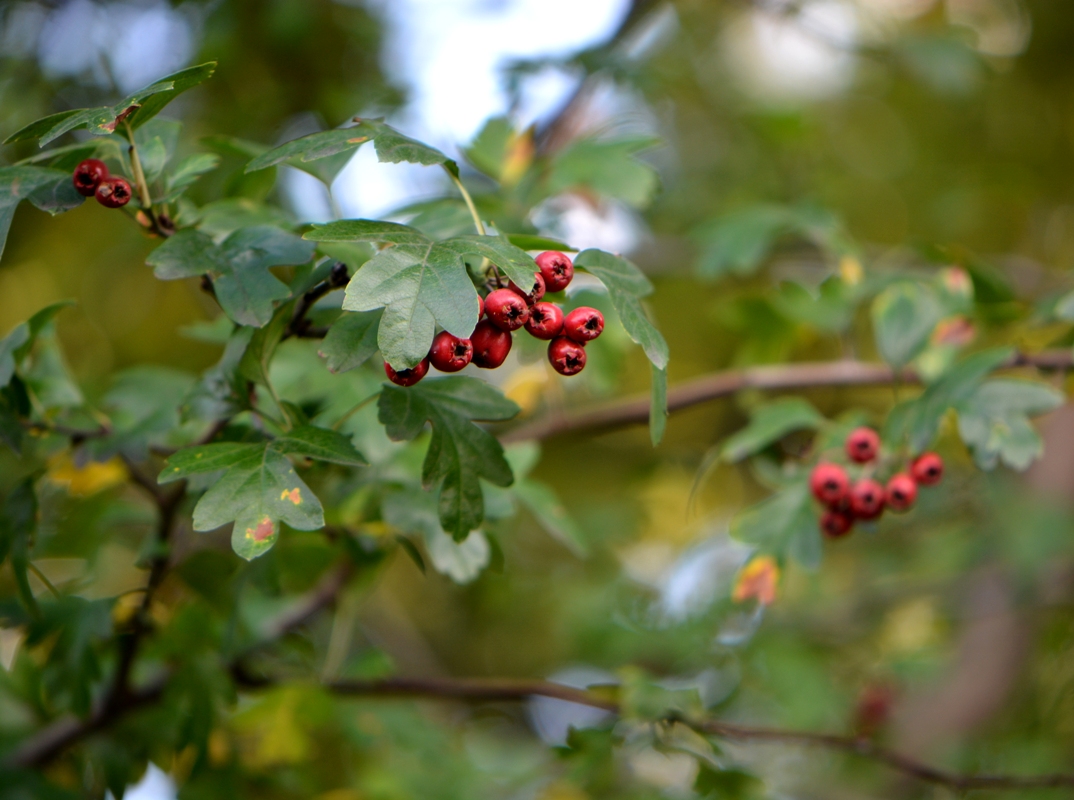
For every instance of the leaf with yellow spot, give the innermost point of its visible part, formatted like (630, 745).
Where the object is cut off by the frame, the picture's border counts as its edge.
(259, 487)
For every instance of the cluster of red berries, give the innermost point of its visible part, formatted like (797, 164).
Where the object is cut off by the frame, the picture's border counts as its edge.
(503, 311)
(866, 498)
(91, 178)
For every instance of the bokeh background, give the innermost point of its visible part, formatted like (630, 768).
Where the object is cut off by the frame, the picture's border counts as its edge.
(926, 132)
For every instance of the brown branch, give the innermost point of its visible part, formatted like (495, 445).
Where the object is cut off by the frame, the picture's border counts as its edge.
(808, 375)
(497, 689)
(300, 325)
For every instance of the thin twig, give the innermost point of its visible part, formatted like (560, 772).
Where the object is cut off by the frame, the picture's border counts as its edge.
(300, 325)
(808, 375)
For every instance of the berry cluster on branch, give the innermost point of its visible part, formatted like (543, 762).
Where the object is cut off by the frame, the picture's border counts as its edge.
(864, 498)
(91, 179)
(503, 311)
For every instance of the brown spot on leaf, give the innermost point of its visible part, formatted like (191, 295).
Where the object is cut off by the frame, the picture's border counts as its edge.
(295, 496)
(264, 530)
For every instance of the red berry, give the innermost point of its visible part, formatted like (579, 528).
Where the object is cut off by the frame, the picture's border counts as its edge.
(88, 176)
(534, 294)
(901, 492)
(556, 269)
(491, 345)
(862, 445)
(583, 324)
(113, 192)
(450, 353)
(829, 484)
(836, 523)
(867, 499)
(546, 321)
(566, 356)
(506, 310)
(927, 469)
(407, 377)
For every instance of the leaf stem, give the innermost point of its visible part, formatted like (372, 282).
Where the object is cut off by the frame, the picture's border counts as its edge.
(355, 410)
(469, 201)
(30, 565)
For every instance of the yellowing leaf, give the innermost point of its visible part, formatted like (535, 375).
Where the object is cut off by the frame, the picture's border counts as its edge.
(96, 476)
(758, 580)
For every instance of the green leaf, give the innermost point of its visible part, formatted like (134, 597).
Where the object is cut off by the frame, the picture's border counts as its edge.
(914, 422)
(416, 512)
(137, 109)
(143, 409)
(367, 230)
(607, 167)
(783, 524)
(255, 362)
(391, 146)
(18, 522)
(490, 147)
(830, 309)
(770, 423)
(994, 421)
(184, 175)
(529, 241)
(727, 784)
(259, 487)
(459, 452)
(904, 316)
(49, 189)
(542, 501)
(222, 392)
(351, 340)
(238, 267)
(320, 444)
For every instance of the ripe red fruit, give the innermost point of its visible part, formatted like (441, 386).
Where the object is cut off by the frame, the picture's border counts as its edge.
(506, 310)
(829, 484)
(583, 324)
(450, 353)
(535, 293)
(113, 192)
(867, 499)
(491, 345)
(834, 524)
(862, 445)
(546, 321)
(874, 709)
(901, 492)
(407, 377)
(556, 269)
(927, 469)
(566, 356)
(88, 176)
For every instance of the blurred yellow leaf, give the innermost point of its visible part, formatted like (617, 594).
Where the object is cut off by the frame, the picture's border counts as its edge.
(758, 580)
(96, 476)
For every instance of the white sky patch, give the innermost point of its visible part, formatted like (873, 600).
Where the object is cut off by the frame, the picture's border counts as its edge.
(154, 785)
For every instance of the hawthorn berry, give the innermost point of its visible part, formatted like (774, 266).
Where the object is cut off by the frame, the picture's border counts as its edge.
(450, 353)
(546, 321)
(901, 492)
(534, 294)
(566, 356)
(927, 469)
(556, 269)
(867, 499)
(583, 324)
(862, 445)
(88, 176)
(491, 345)
(113, 192)
(836, 523)
(829, 483)
(407, 377)
(506, 310)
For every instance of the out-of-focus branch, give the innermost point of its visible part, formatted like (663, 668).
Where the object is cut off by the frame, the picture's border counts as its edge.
(498, 690)
(810, 375)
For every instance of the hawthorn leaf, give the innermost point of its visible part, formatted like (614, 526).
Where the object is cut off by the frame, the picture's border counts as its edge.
(770, 423)
(530, 241)
(351, 341)
(238, 267)
(320, 444)
(994, 421)
(18, 522)
(391, 146)
(783, 524)
(460, 453)
(914, 422)
(367, 230)
(48, 189)
(607, 167)
(415, 512)
(904, 316)
(259, 487)
(136, 109)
